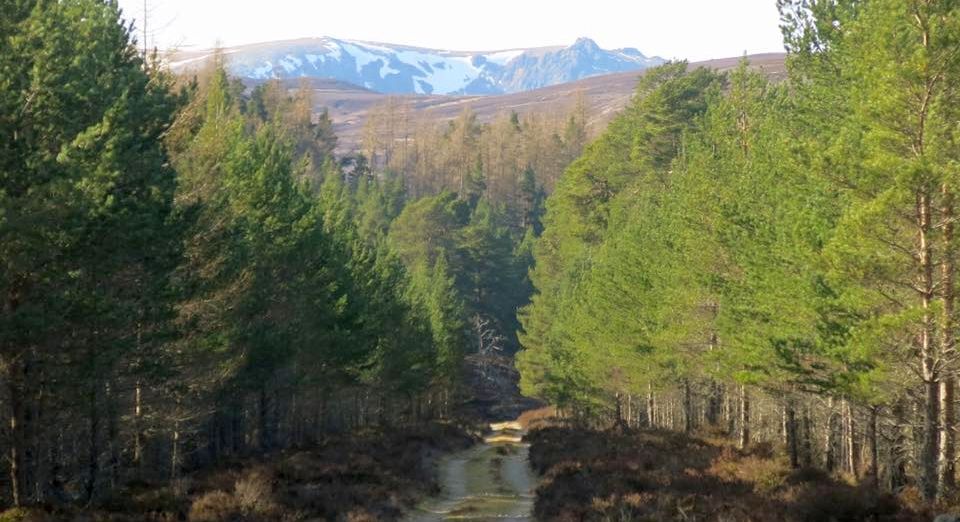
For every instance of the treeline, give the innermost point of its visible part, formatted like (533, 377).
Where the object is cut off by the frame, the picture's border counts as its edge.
(775, 261)
(483, 186)
(189, 275)
(481, 190)
(513, 155)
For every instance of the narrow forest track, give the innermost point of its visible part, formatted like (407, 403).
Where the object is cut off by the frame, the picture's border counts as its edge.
(490, 481)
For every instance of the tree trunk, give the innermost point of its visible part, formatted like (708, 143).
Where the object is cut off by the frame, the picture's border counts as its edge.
(237, 436)
(946, 473)
(138, 426)
(55, 483)
(651, 407)
(671, 413)
(15, 368)
(830, 438)
(16, 426)
(845, 437)
(138, 402)
(687, 407)
(264, 425)
(928, 450)
(113, 435)
(324, 415)
(358, 409)
(175, 457)
(898, 449)
(731, 414)
(217, 429)
(806, 449)
(93, 457)
(713, 404)
(175, 451)
(873, 470)
(40, 453)
(947, 448)
(929, 359)
(793, 447)
(618, 412)
(744, 417)
(784, 425)
(849, 459)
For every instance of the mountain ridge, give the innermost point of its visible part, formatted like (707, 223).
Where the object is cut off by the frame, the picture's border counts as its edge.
(405, 69)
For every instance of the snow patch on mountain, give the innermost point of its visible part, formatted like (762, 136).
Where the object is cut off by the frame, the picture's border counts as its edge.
(504, 57)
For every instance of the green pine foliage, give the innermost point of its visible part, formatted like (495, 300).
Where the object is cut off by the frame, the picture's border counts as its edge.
(188, 273)
(790, 240)
(616, 178)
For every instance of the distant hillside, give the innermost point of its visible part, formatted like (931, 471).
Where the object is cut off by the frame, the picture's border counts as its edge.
(399, 69)
(605, 96)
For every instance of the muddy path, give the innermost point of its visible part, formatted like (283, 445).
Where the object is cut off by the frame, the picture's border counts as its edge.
(490, 481)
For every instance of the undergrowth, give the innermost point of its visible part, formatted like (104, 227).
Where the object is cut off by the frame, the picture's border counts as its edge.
(664, 476)
(365, 477)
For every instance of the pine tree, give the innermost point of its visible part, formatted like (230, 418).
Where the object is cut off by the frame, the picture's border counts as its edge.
(636, 150)
(86, 196)
(886, 151)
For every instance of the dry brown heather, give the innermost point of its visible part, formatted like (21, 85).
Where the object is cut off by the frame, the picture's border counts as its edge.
(657, 475)
(366, 477)
(349, 106)
(538, 418)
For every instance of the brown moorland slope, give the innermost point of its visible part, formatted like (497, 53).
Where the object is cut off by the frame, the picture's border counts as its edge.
(604, 96)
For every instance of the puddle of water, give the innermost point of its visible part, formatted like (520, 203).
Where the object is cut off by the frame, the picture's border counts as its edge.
(490, 481)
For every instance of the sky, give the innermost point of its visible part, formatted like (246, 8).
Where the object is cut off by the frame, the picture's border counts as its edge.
(691, 29)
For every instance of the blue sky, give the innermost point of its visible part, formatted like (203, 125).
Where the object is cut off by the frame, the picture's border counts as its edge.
(692, 29)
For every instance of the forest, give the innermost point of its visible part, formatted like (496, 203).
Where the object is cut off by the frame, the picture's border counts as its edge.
(193, 278)
(774, 260)
(190, 275)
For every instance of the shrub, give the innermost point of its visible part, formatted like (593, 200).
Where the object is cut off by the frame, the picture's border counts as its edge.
(23, 515)
(360, 515)
(254, 492)
(216, 506)
(826, 502)
(764, 474)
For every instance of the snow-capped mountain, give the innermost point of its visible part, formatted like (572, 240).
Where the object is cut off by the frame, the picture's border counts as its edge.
(402, 69)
